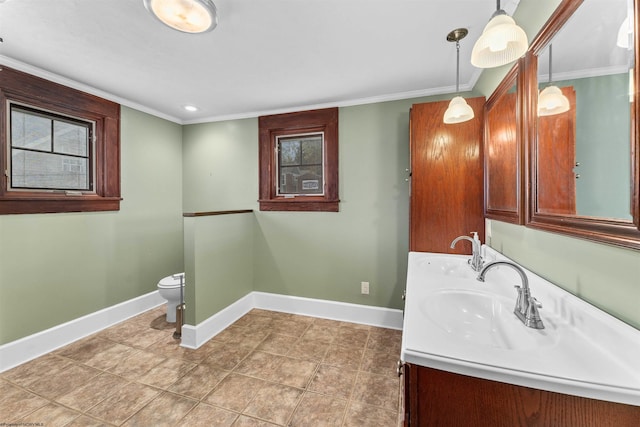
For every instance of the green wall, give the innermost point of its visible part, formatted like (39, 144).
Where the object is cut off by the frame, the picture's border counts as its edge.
(315, 254)
(606, 276)
(57, 267)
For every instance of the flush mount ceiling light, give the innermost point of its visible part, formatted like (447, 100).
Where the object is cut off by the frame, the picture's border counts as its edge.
(188, 16)
(459, 111)
(190, 108)
(501, 42)
(551, 99)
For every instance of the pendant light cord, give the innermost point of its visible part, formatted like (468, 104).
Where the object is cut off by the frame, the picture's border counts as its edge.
(550, 80)
(457, 66)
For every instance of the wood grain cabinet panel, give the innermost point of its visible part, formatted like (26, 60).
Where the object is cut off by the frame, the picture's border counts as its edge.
(438, 398)
(446, 178)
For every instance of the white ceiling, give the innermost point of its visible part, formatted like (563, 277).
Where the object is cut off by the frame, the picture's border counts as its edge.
(265, 56)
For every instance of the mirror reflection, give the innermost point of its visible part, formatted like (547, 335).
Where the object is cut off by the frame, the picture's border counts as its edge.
(502, 151)
(584, 132)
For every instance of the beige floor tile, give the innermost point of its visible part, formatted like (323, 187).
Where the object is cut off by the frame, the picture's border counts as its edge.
(289, 326)
(333, 381)
(32, 371)
(260, 364)
(165, 410)
(170, 348)
(205, 415)
(383, 363)
(93, 392)
(309, 349)
(226, 356)
(320, 333)
(60, 383)
(85, 349)
(16, 403)
(137, 365)
(50, 415)
(274, 403)
(351, 337)
(277, 343)
(123, 403)
(385, 340)
(110, 357)
(244, 421)
(345, 357)
(86, 421)
(361, 415)
(319, 411)
(234, 392)
(198, 382)
(377, 390)
(294, 372)
(166, 373)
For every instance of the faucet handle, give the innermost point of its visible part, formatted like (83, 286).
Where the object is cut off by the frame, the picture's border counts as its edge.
(532, 317)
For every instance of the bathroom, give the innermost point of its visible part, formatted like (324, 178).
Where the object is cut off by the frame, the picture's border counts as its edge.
(55, 268)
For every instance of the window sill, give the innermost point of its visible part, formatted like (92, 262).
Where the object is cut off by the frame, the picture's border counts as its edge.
(299, 204)
(57, 203)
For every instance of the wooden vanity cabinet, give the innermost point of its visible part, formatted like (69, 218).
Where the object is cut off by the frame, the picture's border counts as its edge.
(438, 398)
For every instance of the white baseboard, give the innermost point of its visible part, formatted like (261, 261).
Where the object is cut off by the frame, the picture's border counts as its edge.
(194, 336)
(20, 351)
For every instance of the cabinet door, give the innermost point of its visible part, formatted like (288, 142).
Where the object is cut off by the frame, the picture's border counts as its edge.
(446, 178)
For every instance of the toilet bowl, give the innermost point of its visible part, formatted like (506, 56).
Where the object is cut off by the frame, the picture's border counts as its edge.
(169, 289)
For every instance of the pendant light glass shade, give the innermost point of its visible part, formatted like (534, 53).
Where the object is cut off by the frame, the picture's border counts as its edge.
(552, 101)
(188, 16)
(459, 111)
(501, 42)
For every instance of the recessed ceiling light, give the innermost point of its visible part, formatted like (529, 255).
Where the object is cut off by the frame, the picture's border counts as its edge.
(191, 108)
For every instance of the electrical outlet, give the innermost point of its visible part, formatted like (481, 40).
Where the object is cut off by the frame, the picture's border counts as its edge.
(364, 288)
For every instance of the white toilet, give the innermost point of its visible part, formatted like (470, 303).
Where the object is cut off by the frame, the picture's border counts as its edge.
(169, 289)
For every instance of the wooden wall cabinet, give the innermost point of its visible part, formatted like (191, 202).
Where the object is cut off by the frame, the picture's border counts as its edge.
(446, 178)
(437, 398)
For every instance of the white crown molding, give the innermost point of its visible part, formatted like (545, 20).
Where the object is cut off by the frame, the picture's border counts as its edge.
(56, 78)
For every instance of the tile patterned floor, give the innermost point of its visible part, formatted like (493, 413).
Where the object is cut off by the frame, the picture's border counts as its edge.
(267, 369)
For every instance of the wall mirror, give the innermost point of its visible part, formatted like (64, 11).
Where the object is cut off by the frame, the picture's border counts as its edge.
(583, 150)
(502, 151)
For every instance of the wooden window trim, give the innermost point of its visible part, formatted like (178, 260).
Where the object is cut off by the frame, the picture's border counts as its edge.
(314, 121)
(43, 94)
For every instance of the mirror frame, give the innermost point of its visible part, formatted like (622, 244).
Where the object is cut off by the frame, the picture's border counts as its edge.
(609, 231)
(514, 76)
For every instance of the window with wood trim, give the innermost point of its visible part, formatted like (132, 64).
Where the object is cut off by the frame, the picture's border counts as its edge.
(299, 161)
(60, 148)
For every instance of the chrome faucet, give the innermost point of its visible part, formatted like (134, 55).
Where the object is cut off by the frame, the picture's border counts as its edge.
(526, 306)
(476, 259)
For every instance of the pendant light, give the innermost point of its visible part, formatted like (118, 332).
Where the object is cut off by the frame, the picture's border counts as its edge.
(551, 100)
(188, 16)
(459, 111)
(501, 42)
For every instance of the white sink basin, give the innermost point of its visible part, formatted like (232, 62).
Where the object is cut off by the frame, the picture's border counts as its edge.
(447, 265)
(455, 323)
(480, 318)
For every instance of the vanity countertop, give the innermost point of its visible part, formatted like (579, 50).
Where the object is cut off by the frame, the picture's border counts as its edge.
(455, 323)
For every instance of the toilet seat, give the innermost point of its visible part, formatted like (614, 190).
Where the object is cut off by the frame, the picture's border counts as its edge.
(170, 282)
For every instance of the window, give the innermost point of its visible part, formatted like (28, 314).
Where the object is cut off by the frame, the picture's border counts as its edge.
(300, 165)
(60, 148)
(49, 151)
(299, 161)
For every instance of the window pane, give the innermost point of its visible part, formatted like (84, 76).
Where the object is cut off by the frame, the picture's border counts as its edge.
(30, 131)
(32, 169)
(301, 180)
(70, 138)
(289, 151)
(312, 151)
